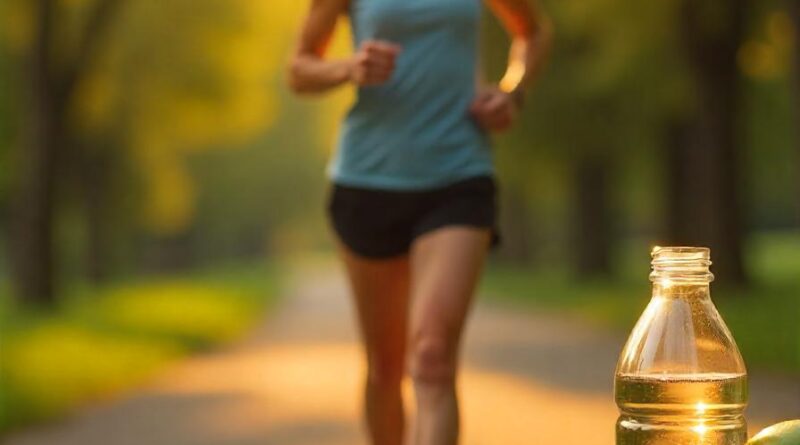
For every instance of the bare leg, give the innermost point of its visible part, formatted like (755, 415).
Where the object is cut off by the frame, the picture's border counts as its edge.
(445, 266)
(380, 289)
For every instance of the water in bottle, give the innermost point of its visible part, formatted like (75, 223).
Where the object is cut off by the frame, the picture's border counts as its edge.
(681, 379)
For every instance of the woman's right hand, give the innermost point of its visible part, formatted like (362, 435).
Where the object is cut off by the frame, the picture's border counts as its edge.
(373, 63)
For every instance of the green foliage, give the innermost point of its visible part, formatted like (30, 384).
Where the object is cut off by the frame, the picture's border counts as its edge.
(615, 81)
(106, 340)
(169, 79)
(49, 367)
(270, 192)
(161, 94)
(613, 78)
(184, 123)
(262, 195)
(763, 318)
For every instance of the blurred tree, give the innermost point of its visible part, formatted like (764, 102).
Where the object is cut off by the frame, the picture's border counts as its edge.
(629, 79)
(707, 174)
(50, 84)
(115, 111)
(5, 138)
(769, 159)
(157, 98)
(794, 11)
(277, 182)
(592, 113)
(592, 232)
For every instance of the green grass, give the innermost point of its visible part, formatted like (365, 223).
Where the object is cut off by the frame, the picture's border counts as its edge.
(764, 317)
(105, 340)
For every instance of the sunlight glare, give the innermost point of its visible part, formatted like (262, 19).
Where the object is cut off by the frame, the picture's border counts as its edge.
(700, 407)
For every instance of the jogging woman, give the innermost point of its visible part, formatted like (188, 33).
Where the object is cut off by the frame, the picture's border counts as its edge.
(413, 196)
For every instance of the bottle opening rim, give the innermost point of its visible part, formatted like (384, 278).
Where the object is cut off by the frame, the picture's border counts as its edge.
(681, 263)
(680, 253)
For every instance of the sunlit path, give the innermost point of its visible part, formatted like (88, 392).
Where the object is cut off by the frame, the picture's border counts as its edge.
(527, 380)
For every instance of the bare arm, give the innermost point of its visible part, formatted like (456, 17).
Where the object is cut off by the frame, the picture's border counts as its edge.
(494, 108)
(310, 72)
(531, 35)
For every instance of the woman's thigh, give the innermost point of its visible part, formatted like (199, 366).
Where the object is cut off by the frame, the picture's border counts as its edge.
(380, 289)
(445, 267)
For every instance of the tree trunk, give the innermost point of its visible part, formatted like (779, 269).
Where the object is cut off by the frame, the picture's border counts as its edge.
(794, 11)
(693, 188)
(96, 168)
(592, 225)
(48, 89)
(678, 224)
(97, 188)
(713, 33)
(33, 196)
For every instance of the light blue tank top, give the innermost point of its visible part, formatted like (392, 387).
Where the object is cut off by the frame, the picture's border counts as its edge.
(414, 132)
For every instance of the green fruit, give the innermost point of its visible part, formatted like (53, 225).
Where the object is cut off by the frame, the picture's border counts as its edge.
(784, 433)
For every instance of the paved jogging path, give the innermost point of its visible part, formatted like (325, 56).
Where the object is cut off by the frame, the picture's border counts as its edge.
(528, 379)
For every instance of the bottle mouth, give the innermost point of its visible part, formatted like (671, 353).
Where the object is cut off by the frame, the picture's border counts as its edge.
(681, 264)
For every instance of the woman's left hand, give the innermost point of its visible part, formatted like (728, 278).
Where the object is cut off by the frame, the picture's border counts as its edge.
(493, 109)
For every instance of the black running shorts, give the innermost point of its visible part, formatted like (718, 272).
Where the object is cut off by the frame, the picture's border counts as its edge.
(382, 223)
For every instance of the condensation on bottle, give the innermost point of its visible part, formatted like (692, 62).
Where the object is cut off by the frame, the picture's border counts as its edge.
(680, 378)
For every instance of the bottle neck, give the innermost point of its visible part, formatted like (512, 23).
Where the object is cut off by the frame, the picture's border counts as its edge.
(681, 271)
(668, 289)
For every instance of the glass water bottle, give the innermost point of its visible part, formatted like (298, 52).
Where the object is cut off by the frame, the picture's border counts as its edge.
(680, 378)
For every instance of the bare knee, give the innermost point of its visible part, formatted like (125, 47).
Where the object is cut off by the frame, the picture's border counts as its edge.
(433, 362)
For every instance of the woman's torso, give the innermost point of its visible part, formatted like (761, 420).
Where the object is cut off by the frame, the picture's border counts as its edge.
(415, 132)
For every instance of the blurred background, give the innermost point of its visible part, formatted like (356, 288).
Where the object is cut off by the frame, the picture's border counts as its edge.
(159, 185)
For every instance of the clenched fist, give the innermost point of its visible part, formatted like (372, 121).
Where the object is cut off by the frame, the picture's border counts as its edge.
(373, 63)
(493, 109)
